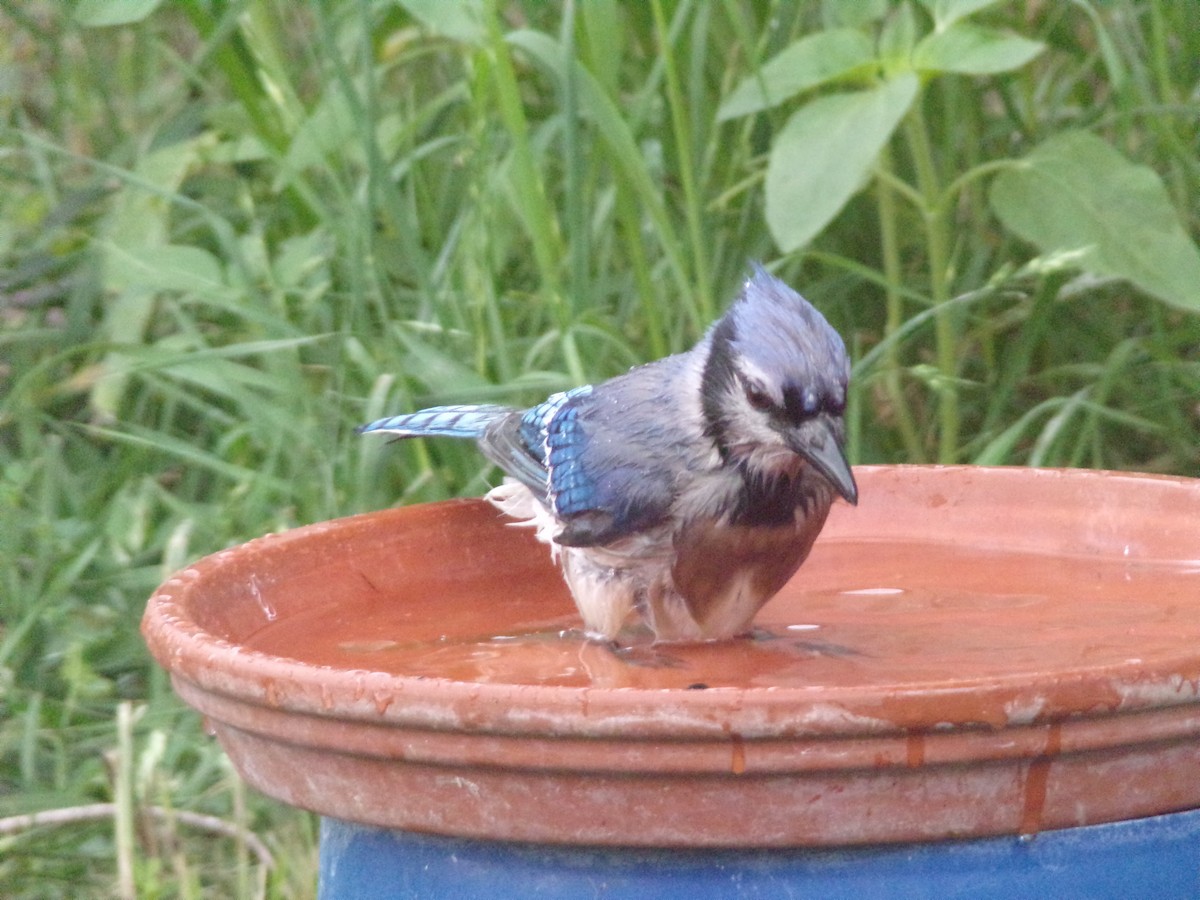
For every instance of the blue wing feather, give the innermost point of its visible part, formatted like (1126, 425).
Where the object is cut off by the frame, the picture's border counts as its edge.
(609, 457)
(536, 422)
(572, 488)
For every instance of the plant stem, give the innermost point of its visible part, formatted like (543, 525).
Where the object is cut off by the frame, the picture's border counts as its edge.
(574, 202)
(937, 243)
(573, 199)
(702, 279)
(890, 248)
(123, 802)
(530, 193)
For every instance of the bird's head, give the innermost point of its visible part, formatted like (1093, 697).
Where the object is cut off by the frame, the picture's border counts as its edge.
(774, 386)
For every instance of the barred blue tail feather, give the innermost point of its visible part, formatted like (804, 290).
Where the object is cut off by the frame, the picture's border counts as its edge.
(438, 421)
(689, 489)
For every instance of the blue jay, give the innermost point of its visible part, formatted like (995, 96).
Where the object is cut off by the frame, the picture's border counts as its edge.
(690, 489)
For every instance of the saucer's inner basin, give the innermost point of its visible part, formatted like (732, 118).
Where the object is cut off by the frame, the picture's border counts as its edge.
(860, 612)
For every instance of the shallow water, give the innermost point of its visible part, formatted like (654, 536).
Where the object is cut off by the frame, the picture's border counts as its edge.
(858, 613)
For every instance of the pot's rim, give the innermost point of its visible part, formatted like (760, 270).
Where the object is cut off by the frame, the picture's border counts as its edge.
(215, 665)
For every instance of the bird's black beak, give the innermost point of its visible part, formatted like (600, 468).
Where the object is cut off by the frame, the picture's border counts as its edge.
(819, 441)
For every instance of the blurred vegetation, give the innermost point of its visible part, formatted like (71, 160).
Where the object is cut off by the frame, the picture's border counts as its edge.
(230, 230)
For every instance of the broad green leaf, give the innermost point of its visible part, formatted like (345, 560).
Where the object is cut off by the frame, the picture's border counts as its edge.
(461, 20)
(852, 13)
(137, 274)
(946, 12)
(971, 50)
(825, 154)
(898, 36)
(125, 321)
(602, 41)
(172, 267)
(140, 274)
(100, 13)
(809, 62)
(329, 130)
(140, 213)
(1075, 192)
(137, 227)
(300, 257)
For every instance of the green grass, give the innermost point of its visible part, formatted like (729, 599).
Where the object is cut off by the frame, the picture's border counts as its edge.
(230, 231)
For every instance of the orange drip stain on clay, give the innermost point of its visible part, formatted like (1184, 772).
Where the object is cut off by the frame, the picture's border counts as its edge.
(1037, 779)
(914, 745)
(737, 763)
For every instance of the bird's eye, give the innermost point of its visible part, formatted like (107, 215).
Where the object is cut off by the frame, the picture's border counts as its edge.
(757, 397)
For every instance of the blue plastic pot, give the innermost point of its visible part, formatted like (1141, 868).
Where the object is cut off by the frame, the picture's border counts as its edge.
(1156, 857)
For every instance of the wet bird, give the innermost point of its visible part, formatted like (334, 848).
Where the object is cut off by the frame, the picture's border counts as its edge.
(689, 489)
